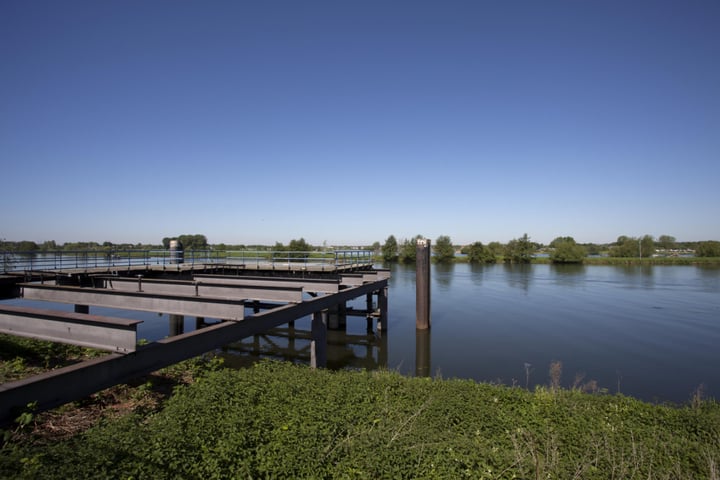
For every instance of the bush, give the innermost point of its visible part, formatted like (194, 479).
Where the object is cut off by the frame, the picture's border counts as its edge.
(278, 420)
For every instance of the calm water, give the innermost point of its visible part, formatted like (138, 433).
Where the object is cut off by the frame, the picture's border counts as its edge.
(651, 332)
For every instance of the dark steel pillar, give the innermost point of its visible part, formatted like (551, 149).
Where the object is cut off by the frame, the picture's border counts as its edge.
(318, 345)
(422, 284)
(82, 308)
(177, 325)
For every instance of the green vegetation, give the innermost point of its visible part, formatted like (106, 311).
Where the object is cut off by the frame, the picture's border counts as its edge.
(443, 249)
(478, 253)
(708, 249)
(21, 357)
(565, 250)
(278, 420)
(189, 242)
(408, 249)
(633, 247)
(390, 249)
(520, 250)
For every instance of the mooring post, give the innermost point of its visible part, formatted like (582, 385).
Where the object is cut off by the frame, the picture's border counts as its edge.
(382, 323)
(422, 284)
(318, 345)
(422, 353)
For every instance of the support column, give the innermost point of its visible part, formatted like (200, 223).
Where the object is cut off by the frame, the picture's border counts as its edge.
(82, 308)
(342, 315)
(199, 322)
(382, 323)
(422, 284)
(333, 321)
(318, 345)
(177, 325)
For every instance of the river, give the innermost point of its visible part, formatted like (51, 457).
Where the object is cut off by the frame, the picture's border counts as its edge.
(652, 332)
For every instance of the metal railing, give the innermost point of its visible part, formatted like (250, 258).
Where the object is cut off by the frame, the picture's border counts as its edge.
(17, 262)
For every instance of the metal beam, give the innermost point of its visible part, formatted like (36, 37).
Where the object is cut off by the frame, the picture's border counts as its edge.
(308, 284)
(189, 288)
(104, 333)
(76, 381)
(176, 305)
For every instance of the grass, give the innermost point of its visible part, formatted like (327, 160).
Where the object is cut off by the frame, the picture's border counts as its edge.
(279, 420)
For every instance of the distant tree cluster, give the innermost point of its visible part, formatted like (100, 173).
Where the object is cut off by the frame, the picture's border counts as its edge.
(566, 250)
(562, 249)
(189, 242)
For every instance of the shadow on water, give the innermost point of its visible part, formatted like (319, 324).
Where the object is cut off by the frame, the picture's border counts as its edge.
(345, 350)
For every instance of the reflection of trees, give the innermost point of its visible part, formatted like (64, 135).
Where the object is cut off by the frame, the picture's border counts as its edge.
(518, 275)
(569, 274)
(709, 277)
(477, 272)
(641, 275)
(443, 274)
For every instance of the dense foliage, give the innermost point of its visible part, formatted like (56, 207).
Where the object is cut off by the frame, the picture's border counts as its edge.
(408, 249)
(390, 249)
(520, 250)
(286, 421)
(711, 248)
(633, 247)
(443, 249)
(565, 250)
(479, 253)
(189, 242)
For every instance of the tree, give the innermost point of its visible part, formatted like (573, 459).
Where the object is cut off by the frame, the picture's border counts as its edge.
(26, 246)
(478, 253)
(443, 249)
(666, 242)
(408, 250)
(520, 250)
(566, 250)
(390, 249)
(190, 242)
(710, 248)
(299, 246)
(636, 247)
(496, 249)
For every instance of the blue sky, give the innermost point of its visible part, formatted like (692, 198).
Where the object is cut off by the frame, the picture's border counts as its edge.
(344, 122)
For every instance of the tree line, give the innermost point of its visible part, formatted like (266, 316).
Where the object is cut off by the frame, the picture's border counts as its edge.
(518, 250)
(560, 250)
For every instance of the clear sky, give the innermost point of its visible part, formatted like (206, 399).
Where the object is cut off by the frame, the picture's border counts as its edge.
(347, 121)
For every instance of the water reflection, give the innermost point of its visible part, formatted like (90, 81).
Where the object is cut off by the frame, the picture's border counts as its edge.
(422, 353)
(443, 275)
(519, 275)
(344, 350)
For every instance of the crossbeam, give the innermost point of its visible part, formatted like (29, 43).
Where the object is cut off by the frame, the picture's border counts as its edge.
(220, 308)
(76, 381)
(202, 288)
(104, 333)
(307, 284)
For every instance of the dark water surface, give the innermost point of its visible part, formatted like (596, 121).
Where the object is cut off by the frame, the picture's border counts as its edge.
(652, 332)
